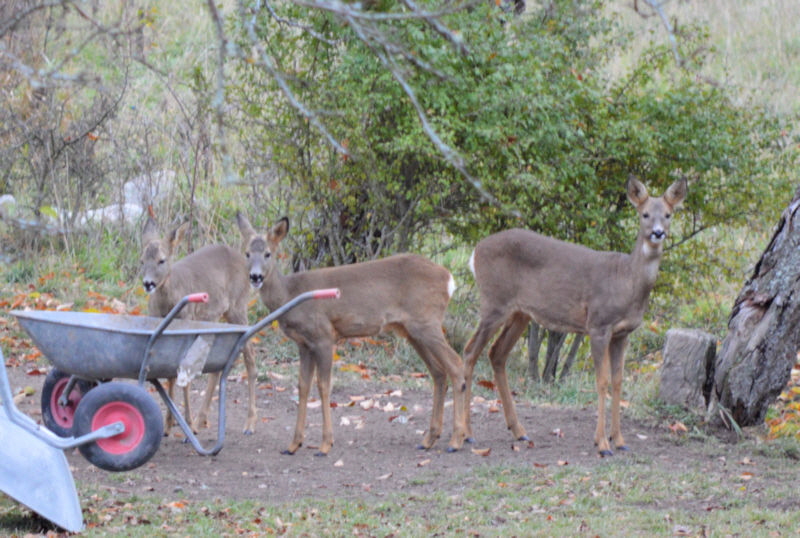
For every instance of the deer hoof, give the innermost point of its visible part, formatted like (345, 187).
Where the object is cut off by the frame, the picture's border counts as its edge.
(450, 450)
(605, 453)
(287, 452)
(320, 454)
(248, 431)
(470, 440)
(523, 438)
(624, 448)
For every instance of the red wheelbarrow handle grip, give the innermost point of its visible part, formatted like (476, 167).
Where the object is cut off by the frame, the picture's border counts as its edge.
(330, 293)
(197, 298)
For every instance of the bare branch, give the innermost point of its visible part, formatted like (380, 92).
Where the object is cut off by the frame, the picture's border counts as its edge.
(263, 59)
(658, 7)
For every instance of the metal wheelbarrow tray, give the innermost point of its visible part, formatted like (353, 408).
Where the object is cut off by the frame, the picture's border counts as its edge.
(89, 350)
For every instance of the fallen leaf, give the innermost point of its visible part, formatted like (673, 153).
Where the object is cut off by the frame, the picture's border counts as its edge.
(557, 432)
(677, 427)
(423, 463)
(562, 463)
(385, 476)
(485, 383)
(339, 463)
(483, 452)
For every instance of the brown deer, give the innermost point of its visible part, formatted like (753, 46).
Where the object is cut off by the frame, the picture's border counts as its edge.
(219, 270)
(407, 294)
(565, 287)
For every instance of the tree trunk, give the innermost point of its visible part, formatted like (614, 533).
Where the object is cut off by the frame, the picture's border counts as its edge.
(573, 352)
(535, 337)
(763, 337)
(555, 341)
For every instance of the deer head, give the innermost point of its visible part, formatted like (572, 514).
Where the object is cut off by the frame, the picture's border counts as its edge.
(655, 214)
(260, 249)
(157, 253)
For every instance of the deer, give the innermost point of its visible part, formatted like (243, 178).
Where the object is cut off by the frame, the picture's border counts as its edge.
(220, 271)
(404, 293)
(522, 275)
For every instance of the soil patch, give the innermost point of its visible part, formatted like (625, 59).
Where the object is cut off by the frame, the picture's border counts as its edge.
(376, 430)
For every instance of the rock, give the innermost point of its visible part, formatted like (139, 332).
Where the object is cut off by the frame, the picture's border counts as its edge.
(687, 373)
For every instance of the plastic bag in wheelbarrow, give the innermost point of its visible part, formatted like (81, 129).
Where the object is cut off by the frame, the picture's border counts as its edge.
(32, 471)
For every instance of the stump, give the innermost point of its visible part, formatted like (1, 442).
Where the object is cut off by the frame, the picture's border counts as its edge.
(687, 374)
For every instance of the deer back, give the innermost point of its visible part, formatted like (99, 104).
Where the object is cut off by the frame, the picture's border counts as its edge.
(388, 294)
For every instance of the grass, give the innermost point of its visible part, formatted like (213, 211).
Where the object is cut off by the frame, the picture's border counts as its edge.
(622, 497)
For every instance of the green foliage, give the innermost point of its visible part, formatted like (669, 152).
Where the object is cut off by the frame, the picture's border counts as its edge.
(532, 109)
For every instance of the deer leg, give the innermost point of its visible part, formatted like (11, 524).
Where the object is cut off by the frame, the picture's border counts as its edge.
(498, 356)
(599, 345)
(303, 387)
(169, 420)
(201, 420)
(439, 391)
(252, 375)
(617, 356)
(239, 317)
(454, 367)
(187, 410)
(323, 357)
(487, 327)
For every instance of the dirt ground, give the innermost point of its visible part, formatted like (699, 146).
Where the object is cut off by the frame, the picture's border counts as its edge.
(376, 430)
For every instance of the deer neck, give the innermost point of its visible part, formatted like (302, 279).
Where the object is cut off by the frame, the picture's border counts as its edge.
(645, 260)
(275, 291)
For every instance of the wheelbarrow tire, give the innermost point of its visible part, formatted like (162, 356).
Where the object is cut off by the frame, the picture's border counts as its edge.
(57, 418)
(139, 413)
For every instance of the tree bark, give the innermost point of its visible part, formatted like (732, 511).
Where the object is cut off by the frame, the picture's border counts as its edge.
(760, 349)
(555, 341)
(535, 337)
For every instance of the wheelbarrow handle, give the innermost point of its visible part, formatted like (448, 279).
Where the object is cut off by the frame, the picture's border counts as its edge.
(197, 298)
(330, 293)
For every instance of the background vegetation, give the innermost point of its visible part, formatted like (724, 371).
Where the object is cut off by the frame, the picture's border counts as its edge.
(377, 133)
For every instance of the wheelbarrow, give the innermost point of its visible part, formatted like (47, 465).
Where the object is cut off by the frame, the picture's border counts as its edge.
(33, 468)
(116, 425)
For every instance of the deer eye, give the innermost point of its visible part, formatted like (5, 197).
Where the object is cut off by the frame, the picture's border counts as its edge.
(247, 255)
(162, 261)
(668, 215)
(646, 215)
(267, 255)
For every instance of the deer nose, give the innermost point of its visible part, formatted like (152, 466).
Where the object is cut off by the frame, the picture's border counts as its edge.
(658, 234)
(256, 280)
(149, 286)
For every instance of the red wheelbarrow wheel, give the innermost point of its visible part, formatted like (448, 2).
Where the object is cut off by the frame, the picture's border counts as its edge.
(58, 418)
(138, 412)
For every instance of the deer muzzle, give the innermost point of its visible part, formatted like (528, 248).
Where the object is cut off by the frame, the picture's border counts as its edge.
(256, 280)
(149, 286)
(657, 235)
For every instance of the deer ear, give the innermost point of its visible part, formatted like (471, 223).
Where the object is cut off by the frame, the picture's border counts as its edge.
(676, 192)
(280, 230)
(637, 192)
(245, 228)
(175, 237)
(150, 231)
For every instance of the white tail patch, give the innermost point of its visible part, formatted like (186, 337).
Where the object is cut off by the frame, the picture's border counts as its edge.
(471, 263)
(451, 286)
